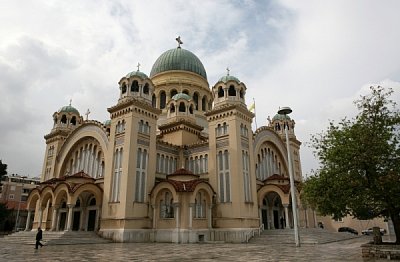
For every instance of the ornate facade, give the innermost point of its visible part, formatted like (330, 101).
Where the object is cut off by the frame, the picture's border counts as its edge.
(177, 162)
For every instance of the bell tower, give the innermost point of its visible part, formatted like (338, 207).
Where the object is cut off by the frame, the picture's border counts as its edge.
(231, 147)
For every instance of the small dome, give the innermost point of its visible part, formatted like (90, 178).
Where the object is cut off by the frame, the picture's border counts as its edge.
(107, 122)
(280, 117)
(68, 109)
(229, 78)
(181, 96)
(137, 73)
(178, 59)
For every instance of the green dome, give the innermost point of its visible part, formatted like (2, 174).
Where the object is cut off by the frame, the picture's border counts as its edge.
(229, 78)
(107, 122)
(68, 109)
(280, 117)
(178, 59)
(181, 96)
(137, 73)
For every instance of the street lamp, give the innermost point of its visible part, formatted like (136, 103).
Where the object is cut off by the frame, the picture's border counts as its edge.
(285, 111)
(19, 204)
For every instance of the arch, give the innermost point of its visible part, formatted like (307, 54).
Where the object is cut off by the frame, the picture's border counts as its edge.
(63, 119)
(46, 194)
(220, 92)
(159, 188)
(163, 99)
(203, 186)
(196, 100)
(203, 103)
(62, 192)
(182, 107)
(173, 92)
(88, 130)
(231, 91)
(73, 120)
(263, 191)
(154, 100)
(146, 89)
(123, 88)
(33, 198)
(91, 188)
(135, 86)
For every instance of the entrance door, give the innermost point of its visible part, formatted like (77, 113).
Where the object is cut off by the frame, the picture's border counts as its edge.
(63, 218)
(276, 219)
(76, 221)
(264, 218)
(91, 220)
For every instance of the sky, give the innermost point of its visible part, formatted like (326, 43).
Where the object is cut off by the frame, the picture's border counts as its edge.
(315, 56)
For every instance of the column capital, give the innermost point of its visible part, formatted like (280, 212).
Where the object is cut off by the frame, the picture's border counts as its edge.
(70, 205)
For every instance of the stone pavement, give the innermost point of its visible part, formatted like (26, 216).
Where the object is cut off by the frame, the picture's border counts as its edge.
(347, 250)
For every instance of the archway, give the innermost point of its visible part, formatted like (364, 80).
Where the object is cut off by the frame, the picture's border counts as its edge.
(272, 211)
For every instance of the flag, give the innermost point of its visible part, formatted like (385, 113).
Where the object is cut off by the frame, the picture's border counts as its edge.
(252, 107)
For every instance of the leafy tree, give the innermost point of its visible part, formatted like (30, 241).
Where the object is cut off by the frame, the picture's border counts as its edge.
(4, 212)
(3, 169)
(360, 163)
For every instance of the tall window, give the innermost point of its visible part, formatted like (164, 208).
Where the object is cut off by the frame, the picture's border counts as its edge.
(166, 207)
(224, 176)
(117, 175)
(246, 176)
(200, 205)
(141, 170)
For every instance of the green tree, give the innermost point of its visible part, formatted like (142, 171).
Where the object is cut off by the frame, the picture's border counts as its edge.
(4, 212)
(360, 163)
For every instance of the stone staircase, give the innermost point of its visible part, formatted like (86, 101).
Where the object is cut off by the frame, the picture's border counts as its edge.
(55, 238)
(310, 236)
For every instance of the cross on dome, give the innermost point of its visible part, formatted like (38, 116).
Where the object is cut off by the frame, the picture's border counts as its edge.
(87, 114)
(227, 71)
(138, 66)
(178, 39)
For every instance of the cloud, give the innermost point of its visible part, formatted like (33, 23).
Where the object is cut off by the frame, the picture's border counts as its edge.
(313, 56)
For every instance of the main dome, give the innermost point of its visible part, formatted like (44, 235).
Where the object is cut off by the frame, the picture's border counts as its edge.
(178, 59)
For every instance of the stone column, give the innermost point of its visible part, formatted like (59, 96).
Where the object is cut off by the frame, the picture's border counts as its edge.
(83, 220)
(69, 220)
(209, 216)
(54, 218)
(40, 217)
(96, 224)
(28, 220)
(260, 216)
(154, 216)
(270, 217)
(177, 216)
(287, 215)
(190, 215)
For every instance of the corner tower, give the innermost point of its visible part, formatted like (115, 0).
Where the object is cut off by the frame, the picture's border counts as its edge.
(231, 155)
(66, 119)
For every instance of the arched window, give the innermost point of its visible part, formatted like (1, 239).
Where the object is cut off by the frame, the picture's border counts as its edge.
(135, 86)
(172, 108)
(186, 92)
(231, 91)
(123, 88)
(203, 103)
(196, 100)
(163, 99)
(220, 92)
(241, 93)
(73, 120)
(191, 109)
(166, 207)
(173, 92)
(182, 107)
(154, 101)
(146, 89)
(200, 206)
(64, 119)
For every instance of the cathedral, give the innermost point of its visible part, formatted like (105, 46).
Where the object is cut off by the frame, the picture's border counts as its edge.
(177, 161)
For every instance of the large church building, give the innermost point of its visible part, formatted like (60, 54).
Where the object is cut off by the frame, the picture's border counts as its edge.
(176, 162)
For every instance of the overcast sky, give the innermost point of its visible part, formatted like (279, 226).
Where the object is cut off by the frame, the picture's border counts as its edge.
(314, 56)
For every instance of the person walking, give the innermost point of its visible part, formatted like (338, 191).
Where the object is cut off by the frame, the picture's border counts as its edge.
(39, 237)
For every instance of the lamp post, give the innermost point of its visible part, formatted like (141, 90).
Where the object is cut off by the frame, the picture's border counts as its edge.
(285, 111)
(19, 203)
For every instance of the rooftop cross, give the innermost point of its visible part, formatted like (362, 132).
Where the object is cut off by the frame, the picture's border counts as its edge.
(227, 71)
(87, 114)
(138, 66)
(178, 39)
(70, 101)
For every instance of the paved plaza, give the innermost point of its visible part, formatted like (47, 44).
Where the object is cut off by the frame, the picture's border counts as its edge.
(348, 250)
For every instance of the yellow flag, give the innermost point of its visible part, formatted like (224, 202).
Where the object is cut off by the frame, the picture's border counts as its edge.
(252, 107)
